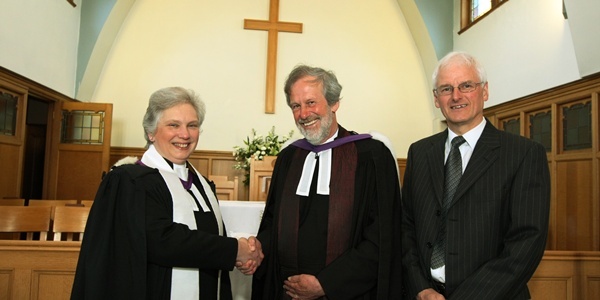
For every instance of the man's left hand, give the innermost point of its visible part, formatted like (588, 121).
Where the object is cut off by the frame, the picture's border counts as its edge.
(305, 287)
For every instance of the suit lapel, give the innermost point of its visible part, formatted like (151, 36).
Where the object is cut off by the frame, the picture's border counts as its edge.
(435, 160)
(484, 154)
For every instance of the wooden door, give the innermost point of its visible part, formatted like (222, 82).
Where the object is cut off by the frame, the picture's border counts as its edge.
(80, 149)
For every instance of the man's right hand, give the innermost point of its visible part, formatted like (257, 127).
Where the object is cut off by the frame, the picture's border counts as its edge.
(430, 294)
(249, 255)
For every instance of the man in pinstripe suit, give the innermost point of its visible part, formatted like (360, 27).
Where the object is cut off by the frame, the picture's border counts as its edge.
(495, 225)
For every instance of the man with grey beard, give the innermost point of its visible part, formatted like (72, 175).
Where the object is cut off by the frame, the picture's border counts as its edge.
(331, 226)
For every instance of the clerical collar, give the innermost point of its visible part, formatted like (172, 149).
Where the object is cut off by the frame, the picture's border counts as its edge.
(308, 170)
(323, 154)
(183, 172)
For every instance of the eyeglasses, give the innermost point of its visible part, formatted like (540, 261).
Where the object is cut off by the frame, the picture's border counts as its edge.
(465, 87)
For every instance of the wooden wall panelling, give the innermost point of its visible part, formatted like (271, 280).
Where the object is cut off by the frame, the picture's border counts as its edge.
(570, 275)
(575, 174)
(596, 169)
(117, 153)
(574, 212)
(201, 164)
(10, 175)
(551, 243)
(207, 162)
(77, 180)
(12, 147)
(401, 168)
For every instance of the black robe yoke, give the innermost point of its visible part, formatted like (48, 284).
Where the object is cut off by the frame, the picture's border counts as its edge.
(371, 268)
(131, 242)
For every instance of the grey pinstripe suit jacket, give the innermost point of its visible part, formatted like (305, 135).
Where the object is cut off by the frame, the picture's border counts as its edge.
(497, 225)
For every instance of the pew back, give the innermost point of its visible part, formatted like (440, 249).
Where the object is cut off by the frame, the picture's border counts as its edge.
(51, 203)
(68, 221)
(226, 189)
(26, 219)
(12, 202)
(86, 203)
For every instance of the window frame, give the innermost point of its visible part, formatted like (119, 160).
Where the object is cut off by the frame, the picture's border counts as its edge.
(19, 93)
(465, 13)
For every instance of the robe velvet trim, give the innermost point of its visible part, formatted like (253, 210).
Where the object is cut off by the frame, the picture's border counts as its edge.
(369, 268)
(304, 144)
(340, 204)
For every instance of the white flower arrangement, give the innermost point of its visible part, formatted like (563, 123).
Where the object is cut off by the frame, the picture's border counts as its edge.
(258, 147)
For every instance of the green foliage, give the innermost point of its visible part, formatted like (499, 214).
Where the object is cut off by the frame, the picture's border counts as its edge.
(258, 146)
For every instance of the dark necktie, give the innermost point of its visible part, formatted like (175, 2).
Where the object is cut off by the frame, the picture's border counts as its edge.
(453, 172)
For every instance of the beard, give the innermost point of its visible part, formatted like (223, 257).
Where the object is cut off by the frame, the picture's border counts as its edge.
(318, 135)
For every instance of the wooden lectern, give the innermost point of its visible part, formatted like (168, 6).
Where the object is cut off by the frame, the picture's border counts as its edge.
(260, 177)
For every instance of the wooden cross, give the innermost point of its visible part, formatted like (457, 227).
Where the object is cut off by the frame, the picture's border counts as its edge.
(273, 26)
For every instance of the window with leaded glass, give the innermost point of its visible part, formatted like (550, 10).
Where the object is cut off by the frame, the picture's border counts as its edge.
(8, 113)
(540, 128)
(513, 126)
(473, 10)
(577, 126)
(82, 127)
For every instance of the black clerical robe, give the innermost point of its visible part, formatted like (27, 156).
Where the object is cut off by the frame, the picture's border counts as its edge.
(131, 242)
(370, 266)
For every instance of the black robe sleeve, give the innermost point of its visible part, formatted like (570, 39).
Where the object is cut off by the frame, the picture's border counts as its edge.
(131, 243)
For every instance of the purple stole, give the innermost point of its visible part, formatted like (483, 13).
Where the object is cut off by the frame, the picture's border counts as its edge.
(341, 198)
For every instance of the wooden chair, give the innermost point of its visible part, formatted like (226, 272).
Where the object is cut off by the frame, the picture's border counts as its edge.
(68, 221)
(260, 177)
(25, 219)
(12, 202)
(226, 190)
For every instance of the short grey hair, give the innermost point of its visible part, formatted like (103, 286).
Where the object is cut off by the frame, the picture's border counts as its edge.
(166, 98)
(331, 87)
(461, 58)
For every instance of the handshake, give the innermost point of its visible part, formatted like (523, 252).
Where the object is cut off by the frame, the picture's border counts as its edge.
(249, 255)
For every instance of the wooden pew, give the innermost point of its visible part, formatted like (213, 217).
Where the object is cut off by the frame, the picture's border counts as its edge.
(69, 222)
(86, 203)
(37, 269)
(51, 203)
(46, 269)
(25, 219)
(226, 189)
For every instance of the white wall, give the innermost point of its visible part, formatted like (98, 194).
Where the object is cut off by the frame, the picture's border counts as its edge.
(201, 44)
(525, 46)
(585, 27)
(38, 39)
